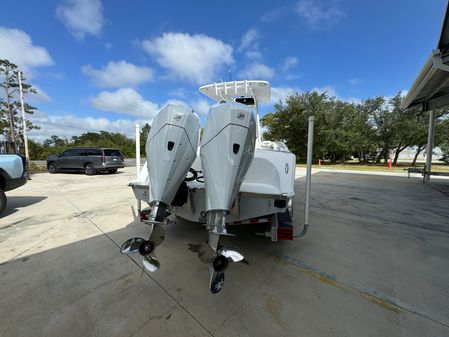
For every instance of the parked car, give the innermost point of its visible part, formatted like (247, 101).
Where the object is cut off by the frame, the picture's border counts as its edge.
(90, 160)
(13, 174)
(445, 159)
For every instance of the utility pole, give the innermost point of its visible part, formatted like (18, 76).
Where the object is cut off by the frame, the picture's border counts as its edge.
(139, 203)
(11, 137)
(137, 150)
(19, 75)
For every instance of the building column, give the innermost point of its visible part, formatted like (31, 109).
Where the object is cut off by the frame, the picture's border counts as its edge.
(429, 150)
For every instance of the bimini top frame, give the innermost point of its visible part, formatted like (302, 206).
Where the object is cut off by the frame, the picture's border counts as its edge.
(229, 91)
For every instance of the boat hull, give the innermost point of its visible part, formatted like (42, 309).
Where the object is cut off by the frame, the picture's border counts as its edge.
(266, 189)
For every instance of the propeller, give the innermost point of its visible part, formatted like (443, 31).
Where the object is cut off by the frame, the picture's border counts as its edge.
(218, 260)
(131, 246)
(151, 263)
(146, 248)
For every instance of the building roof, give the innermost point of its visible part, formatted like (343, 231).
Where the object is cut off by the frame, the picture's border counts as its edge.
(430, 90)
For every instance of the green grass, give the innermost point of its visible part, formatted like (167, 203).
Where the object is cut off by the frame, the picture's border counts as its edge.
(399, 167)
(35, 168)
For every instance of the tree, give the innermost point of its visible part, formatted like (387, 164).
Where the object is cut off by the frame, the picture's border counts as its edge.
(408, 128)
(419, 135)
(443, 133)
(55, 144)
(11, 121)
(143, 137)
(106, 139)
(342, 131)
(289, 121)
(363, 131)
(335, 133)
(381, 119)
(419, 132)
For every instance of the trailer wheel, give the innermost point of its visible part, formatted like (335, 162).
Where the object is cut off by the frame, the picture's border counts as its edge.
(2, 201)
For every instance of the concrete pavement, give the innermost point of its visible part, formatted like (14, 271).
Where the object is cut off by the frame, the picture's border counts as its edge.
(374, 263)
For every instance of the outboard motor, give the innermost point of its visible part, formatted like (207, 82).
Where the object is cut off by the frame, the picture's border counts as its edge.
(171, 149)
(227, 151)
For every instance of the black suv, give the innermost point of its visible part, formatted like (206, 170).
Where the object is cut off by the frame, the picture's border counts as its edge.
(88, 159)
(445, 158)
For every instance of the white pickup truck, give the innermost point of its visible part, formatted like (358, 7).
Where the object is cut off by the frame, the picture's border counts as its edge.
(12, 175)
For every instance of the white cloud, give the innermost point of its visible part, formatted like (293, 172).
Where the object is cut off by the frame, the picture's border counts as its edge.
(327, 89)
(253, 54)
(39, 97)
(402, 92)
(331, 92)
(201, 106)
(290, 77)
(179, 92)
(274, 14)
(68, 125)
(280, 93)
(355, 81)
(124, 101)
(81, 17)
(319, 14)
(249, 39)
(249, 44)
(194, 58)
(118, 74)
(352, 100)
(18, 48)
(258, 71)
(175, 101)
(288, 63)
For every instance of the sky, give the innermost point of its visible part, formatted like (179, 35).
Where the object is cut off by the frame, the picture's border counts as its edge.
(107, 65)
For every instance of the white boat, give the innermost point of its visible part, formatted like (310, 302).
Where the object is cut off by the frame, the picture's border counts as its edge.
(231, 176)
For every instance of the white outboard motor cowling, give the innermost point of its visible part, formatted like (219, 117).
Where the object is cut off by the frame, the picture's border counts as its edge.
(227, 150)
(171, 149)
